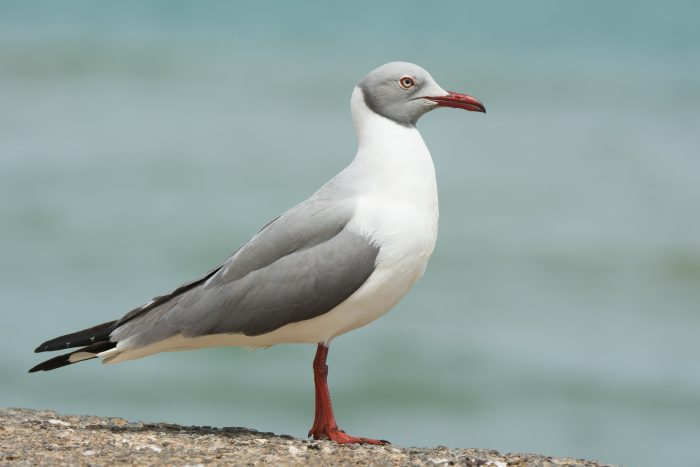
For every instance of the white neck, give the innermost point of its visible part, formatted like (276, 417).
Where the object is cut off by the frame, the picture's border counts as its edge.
(391, 158)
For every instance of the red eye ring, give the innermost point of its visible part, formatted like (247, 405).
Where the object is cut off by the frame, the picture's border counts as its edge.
(406, 82)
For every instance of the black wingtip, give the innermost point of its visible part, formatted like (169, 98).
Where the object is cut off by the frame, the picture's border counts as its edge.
(82, 338)
(36, 368)
(64, 360)
(52, 364)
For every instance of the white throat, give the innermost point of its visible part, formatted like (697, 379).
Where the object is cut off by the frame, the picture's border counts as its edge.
(392, 159)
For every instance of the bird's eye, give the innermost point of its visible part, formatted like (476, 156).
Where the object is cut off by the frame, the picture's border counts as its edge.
(407, 82)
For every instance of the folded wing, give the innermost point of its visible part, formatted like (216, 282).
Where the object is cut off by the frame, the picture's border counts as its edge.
(300, 266)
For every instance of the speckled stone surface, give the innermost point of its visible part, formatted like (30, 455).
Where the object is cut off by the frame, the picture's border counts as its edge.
(31, 437)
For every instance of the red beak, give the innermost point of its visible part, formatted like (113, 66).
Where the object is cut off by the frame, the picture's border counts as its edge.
(458, 101)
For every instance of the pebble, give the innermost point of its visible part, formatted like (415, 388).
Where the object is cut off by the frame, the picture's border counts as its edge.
(55, 421)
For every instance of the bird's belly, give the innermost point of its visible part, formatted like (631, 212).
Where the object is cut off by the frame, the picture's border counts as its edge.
(406, 237)
(397, 270)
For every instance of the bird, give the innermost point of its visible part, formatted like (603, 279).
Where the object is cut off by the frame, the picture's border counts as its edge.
(331, 264)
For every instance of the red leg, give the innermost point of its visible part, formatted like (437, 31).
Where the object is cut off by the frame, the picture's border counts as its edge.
(324, 426)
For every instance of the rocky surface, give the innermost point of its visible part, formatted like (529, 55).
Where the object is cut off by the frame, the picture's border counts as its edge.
(45, 438)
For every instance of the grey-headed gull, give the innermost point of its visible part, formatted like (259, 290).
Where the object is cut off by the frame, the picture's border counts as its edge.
(331, 264)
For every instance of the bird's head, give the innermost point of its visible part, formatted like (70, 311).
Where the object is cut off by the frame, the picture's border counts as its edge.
(403, 92)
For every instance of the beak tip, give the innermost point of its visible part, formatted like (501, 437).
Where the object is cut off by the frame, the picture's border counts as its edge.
(459, 101)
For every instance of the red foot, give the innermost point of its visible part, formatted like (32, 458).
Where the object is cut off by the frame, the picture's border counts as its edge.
(340, 437)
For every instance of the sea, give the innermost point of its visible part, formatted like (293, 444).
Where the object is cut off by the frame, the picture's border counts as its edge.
(142, 142)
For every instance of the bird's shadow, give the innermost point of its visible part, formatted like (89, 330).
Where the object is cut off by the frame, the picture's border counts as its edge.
(228, 432)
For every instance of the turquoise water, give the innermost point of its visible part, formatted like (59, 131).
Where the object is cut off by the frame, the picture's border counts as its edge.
(140, 143)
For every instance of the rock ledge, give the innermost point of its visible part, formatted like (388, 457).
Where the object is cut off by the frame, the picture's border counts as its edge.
(46, 438)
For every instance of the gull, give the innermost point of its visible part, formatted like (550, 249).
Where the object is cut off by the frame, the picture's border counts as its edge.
(331, 264)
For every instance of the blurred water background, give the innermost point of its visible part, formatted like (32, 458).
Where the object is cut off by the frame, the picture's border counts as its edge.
(142, 142)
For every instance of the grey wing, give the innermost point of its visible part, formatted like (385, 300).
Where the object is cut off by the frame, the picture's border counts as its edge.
(300, 266)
